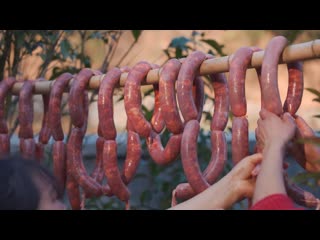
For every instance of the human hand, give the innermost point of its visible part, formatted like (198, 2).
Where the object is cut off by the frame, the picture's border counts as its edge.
(241, 179)
(273, 129)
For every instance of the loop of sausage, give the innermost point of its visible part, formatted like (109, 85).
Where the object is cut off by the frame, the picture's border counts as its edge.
(186, 76)
(295, 88)
(74, 158)
(77, 95)
(189, 157)
(73, 192)
(218, 158)
(5, 87)
(240, 139)
(132, 98)
(26, 110)
(59, 163)
(112, 171)
(98, 172)
(55, 105)
(270, 97)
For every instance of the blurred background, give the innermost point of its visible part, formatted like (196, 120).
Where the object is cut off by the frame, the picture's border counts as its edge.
(30, 54)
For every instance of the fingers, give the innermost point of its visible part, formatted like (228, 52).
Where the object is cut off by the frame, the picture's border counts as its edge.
(255, 172)
(288, 118)
(264, 113)
(254, 158)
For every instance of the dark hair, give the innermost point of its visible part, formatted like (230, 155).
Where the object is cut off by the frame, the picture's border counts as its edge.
(18, 190)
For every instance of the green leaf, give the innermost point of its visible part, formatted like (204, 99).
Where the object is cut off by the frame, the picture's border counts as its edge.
(215, 45)
(136, 34)
(179, 42)
(65, 48)
(314, 91)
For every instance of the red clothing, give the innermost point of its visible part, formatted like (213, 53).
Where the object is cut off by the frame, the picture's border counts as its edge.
(275, 202)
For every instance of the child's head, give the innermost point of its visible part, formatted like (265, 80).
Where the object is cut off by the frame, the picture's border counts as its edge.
(26, 185)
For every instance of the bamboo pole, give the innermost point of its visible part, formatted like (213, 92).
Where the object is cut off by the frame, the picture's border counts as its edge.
(302, 51)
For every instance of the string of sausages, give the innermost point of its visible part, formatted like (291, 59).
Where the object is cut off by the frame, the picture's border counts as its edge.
(179, 100)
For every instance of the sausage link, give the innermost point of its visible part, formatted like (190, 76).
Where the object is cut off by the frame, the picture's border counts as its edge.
(237, 75)
(39, 152)
(133, 156)
(270, 97)
(295, 88)
(187, 75)
(157, 121)
(4, 144)
(59, 163)
(164, 156)
(221, 102)
(28, 148)
(240, 139)
(98, 171)
(189, 157)
(299, 195)
(105, 103)
(307, 154)
(77, 95)
(167, 95)
(78, 171)
(26, 110)
(73, 192)
(5, 87)
(198, 90)
(132, 98)
(112, 172)
(55, 105)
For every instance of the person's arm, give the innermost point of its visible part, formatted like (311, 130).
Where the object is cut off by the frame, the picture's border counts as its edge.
(274, 133)
(233, 187)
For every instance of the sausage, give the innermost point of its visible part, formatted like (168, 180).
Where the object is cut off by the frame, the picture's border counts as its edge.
(164, 156)
(270, 97)
(157, 121)
(77, 95)
(295, 88)
(74, 158)
(133, 156)
(221, 102)
(26, 110)
(55, 105)
(187, 74)
(167, 96)
(45, 131)
(105, 103)
(5, 87)
(27, 148)
(39, 152)
(59, 163)
(112, 172)
(237, 75)
(132, 98)
(240, 139)
(218, 158)
(309, 152)
(299, 195)
(4, 144)
(189, 157)
(98, 171)
(73, 192)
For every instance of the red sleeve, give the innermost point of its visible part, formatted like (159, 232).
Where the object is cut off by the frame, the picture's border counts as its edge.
(275, 202)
